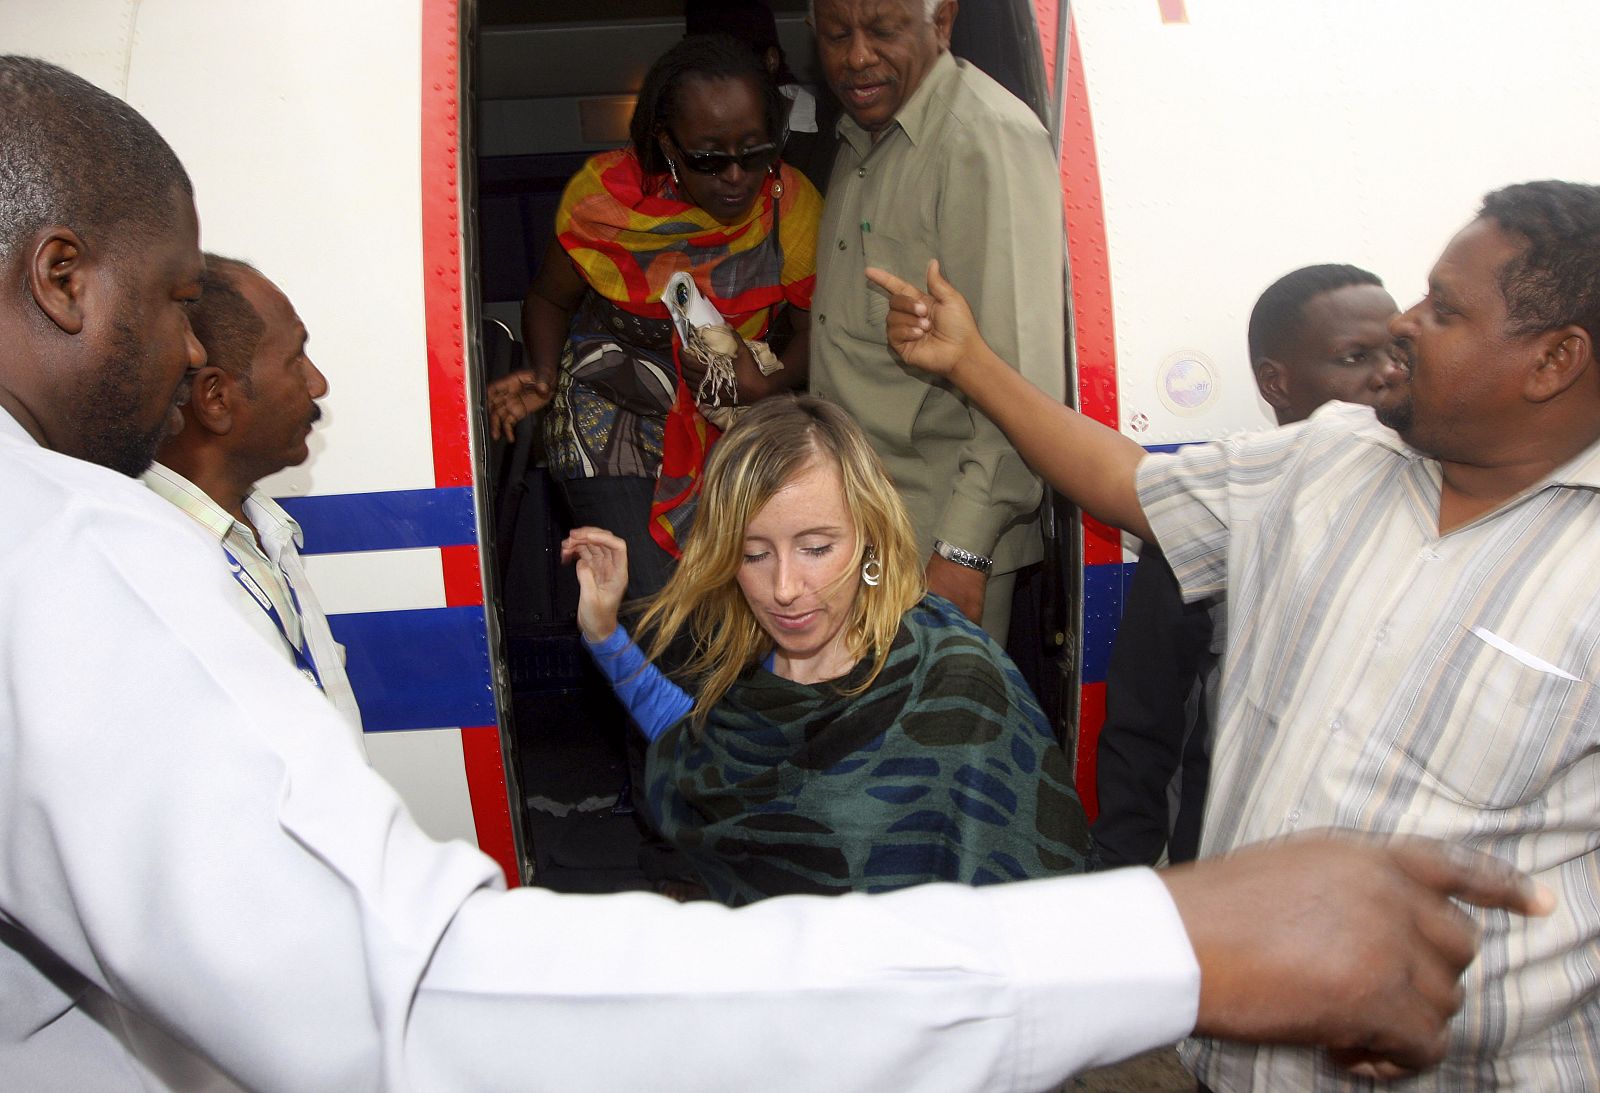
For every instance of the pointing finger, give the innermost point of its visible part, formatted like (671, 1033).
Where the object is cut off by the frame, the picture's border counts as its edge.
(907, 299)
(896, 286)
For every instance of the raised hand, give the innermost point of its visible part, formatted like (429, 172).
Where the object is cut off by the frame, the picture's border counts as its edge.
(1346, 943)
(931, 330)
(602, 578)
(512, 398)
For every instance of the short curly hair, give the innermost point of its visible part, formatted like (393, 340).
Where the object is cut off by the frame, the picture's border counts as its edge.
(225, 322)
(1280, 308)
(79, 157)
(1555, 281)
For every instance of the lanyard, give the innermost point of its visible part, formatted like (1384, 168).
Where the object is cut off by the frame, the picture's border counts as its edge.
(302, 652)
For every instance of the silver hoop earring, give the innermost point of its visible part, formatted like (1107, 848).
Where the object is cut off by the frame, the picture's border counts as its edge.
(872, 570)
(672, 169)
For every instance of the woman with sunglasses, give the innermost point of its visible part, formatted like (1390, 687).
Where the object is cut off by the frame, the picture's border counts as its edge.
(700, 188)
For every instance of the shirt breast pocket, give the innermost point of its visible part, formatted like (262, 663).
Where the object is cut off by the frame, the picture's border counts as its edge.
(1502, 723)
(902, 259)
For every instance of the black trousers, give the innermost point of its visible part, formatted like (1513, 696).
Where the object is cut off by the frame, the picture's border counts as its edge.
(622, 507)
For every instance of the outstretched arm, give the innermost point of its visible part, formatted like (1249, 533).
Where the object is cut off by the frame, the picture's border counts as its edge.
(1091, 465)
(1340, 942)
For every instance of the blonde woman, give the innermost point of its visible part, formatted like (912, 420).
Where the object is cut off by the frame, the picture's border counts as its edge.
(834, 726)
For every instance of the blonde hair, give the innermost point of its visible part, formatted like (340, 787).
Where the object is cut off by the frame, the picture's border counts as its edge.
(776, 440)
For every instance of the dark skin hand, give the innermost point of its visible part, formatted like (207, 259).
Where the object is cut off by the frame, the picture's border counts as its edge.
(547, 312)
(960, 585)
(1341, 942)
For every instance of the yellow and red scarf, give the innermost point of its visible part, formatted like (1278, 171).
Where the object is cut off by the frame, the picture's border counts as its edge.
(628, 234)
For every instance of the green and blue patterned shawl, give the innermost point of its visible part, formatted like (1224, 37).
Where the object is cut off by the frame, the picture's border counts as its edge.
(944, 769)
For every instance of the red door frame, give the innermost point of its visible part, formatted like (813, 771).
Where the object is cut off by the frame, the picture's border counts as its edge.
(444, 301)
(1092, 331)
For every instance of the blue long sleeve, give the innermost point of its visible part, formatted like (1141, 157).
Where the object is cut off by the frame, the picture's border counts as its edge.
(654, 700)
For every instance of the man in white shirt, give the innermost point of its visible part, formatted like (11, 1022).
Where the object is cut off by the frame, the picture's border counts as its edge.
(249, 414)
(202, 885)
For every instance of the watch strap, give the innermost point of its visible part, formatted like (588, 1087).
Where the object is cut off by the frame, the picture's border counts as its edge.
(963, 557)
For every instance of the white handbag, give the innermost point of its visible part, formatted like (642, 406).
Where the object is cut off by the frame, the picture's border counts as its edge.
(705, 335)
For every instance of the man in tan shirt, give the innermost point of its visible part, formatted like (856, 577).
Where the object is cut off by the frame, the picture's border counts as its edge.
(936, 160)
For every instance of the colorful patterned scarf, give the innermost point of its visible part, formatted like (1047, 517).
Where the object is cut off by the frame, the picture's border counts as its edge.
(943, 770)
(629, 233)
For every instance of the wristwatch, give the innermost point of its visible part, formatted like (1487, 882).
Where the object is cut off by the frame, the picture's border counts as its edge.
(963, 557)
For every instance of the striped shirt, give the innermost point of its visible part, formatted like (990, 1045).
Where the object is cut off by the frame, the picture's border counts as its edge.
(1383, 677)
(271, 566)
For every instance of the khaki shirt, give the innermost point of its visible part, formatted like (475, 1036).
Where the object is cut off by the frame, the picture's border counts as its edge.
(966, 175)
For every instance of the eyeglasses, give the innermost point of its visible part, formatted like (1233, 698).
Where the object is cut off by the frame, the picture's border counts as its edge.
(755, 159)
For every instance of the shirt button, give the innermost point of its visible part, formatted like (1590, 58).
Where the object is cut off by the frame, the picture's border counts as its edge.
(1337, 724)
(823, 319)
(1382, 635)
(841, 244)
(1294, 818)
(861, 172)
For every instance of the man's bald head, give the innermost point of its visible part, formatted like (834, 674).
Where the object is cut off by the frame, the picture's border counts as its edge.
(876, 53)
(74, 155)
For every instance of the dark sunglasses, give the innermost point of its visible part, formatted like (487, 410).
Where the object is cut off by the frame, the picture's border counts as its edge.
(754, 159)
